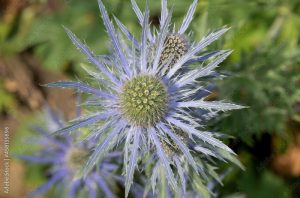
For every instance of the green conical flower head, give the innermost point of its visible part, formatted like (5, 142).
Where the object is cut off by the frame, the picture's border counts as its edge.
(143, 100)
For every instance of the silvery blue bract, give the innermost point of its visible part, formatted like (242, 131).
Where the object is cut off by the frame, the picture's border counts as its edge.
(65, 159)
(146, 99)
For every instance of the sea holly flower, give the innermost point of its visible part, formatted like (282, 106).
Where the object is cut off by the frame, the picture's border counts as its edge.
(176, 43)
(202, 153)
(142, 100)
(65, 158)
(207, 190)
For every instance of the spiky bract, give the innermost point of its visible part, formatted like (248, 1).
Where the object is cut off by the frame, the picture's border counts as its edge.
(170, 147)
(158, 58)
(65, 160)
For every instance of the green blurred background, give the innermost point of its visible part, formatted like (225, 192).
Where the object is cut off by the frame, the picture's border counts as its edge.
(264, 74)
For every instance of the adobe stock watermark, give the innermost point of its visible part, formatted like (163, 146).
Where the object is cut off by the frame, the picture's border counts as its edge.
(6, 161)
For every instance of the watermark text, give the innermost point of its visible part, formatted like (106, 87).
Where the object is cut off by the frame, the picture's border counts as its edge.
(6, 161)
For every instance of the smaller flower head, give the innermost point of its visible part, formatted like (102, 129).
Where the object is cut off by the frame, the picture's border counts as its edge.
(170, 147)
(66, 160)
(190, 182)
(175, 46)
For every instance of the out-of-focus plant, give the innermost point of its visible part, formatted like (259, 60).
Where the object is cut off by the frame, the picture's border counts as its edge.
(265, 64)
(65, 158)
(268, 81)
(39, 27)
(6, 100)
(262, 73)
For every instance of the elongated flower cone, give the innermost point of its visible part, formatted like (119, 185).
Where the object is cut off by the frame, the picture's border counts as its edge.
(142, 94)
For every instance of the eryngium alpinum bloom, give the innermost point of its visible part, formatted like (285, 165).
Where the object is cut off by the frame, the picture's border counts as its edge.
(65, 159)
(144, 95)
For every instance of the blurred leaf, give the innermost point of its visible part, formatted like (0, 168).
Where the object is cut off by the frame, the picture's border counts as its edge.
(6, 99)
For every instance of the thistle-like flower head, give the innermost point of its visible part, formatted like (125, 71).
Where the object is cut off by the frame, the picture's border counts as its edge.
(146, 100)
(66, 159)
(203, 155)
